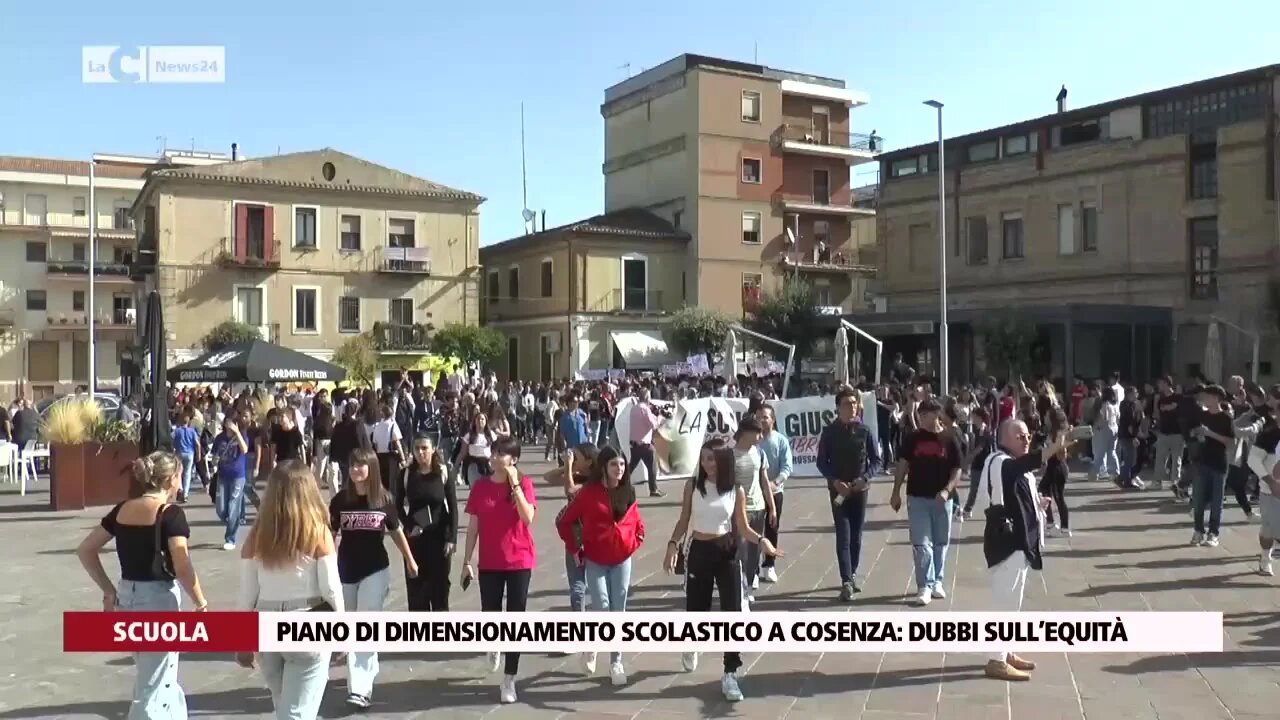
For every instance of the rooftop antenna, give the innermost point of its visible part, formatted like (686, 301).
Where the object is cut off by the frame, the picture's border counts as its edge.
(163, 142)
(755, 52)
(528, 214)
(625, 67)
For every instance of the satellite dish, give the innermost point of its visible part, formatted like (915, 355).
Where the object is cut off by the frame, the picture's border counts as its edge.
(791, 237)
(529, 215)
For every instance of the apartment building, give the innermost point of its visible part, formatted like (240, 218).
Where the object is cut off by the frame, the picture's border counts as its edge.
(755, 164)
(590, 295)
(45, 210)
(1124, 230)
(312, 248)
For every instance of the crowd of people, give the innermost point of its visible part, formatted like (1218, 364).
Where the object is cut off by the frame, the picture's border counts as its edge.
(344, 470)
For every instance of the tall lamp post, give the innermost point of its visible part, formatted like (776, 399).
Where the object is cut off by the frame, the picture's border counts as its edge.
(944, 360)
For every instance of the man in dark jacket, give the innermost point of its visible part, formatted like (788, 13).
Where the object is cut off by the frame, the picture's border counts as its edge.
(846, 450)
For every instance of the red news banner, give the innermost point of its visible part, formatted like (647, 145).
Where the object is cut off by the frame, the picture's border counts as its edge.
(225, 632)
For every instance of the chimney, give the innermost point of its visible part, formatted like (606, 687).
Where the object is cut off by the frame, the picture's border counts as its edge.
(235, 151)
(544, 220)
(1062, 99)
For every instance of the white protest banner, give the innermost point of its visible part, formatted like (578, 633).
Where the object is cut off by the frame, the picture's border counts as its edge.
(678, 440)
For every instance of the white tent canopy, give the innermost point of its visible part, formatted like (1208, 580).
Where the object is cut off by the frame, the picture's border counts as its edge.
(641, 348)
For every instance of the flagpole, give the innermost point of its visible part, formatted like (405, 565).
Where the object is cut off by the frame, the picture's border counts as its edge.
(93, 260)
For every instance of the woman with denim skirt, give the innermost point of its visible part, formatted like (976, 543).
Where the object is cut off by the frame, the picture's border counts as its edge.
(150, 575)
(361, 515)
(289, 564)
(604, 521)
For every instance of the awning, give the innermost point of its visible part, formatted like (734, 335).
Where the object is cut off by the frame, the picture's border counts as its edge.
(641, 348)
(257, 361)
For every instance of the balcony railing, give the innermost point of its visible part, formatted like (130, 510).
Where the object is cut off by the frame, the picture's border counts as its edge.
(828, 260)
(505, 308)
(106, 319)
(81, 267)
(632, 301)
(394, 336)
(266, 254)
(831, 138)
(410, 260)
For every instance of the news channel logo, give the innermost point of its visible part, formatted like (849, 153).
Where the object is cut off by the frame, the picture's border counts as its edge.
(153, 64)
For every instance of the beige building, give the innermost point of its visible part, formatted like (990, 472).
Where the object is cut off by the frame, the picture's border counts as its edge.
(755, 164)
(590, 295)
(312, 248)
(1124, 230)
(44, 289)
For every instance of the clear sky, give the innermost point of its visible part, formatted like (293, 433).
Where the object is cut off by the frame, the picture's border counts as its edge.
(434, 88)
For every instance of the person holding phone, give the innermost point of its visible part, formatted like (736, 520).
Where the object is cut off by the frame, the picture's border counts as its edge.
(502, 506)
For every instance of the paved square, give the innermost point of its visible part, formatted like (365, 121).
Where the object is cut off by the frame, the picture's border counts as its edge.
(1129, 553)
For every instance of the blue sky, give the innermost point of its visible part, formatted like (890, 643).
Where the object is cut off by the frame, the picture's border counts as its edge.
(436, 91)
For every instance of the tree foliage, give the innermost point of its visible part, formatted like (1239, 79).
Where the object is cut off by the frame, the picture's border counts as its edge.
(227, 333)
(359, 358)
(699, 330)
(469, 343)
(790, 315)
(1007, 342)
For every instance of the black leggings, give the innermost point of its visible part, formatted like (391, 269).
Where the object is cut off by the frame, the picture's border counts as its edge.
(514, 586)
(713, 565)
(388, 467)
(1238, 482)
(1054, 484)
(771, 531)
(430, 590)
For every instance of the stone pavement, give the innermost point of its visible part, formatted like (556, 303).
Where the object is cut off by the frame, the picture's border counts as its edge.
(1129, 553)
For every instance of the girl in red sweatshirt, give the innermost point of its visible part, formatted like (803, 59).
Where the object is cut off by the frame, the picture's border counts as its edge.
(611, 532)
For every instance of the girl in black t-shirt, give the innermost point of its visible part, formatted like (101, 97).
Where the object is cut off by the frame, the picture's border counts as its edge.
(429, 506)
(361, 515)
(150, 576)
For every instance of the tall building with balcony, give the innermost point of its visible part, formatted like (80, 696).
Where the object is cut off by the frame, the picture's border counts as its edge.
(312, 248)
(44, 291)
(590, 295)
(755, 164)
(1123, 231)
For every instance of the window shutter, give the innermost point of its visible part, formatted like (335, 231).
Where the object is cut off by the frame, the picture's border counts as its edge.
(241, 240)
(268, 233)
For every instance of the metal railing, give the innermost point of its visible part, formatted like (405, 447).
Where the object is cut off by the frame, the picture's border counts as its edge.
(250, 256)
(413, 260)
(506, 308)
(622, 300)
(830, 138)
(782, 198)
(828, 260)
(395, 336)
(81, 267)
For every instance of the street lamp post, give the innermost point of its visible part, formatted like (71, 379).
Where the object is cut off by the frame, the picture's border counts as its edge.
(944, 349)
(93, 260)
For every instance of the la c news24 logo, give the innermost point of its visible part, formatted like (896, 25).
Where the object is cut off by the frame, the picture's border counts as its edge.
(153, 64)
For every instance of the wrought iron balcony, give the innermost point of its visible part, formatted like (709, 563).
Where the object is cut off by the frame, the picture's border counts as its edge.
(394, 336)
(253, 253)
(410, 260)
(81, 267)
(627, 301)
(829, 138)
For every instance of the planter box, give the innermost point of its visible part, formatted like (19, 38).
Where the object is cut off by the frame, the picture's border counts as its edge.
(90, 475)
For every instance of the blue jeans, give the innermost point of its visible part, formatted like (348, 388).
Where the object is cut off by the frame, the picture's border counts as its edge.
(930, 527)
(156, 693)
(609, 585)
(367, 595)
(1104, 453)
(230, 505)
(297, 681)
(188, 461)
(577, 577)
(1208, 491)
(849, 517)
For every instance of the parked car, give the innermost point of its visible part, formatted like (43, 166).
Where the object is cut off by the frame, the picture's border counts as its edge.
(109, 402)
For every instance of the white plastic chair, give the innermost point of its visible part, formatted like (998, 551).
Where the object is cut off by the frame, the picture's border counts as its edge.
(9, 461)
(28, 464)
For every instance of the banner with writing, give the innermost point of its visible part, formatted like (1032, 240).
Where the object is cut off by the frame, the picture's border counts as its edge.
(684, 426)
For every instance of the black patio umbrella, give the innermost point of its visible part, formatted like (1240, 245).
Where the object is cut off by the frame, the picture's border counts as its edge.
(157, 433)
(257, 361)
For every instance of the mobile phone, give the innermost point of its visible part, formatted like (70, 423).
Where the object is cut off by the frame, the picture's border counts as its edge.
(466, 583)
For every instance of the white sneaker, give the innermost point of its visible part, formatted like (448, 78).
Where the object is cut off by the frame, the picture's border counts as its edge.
(730, 688)
(770, 575)
(228, 546)
(507, 691)
(617, 674)
(1197, 539)
(755, 583)
(588, 660)
(689, 661)
(924, 598)
(493, 661)
(1264, 564)
(1211, 541)
(938, 593)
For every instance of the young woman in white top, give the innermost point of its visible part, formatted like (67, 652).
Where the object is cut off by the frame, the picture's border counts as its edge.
(388, 443)
(289, 563)
(1106, 424)
(477, 450)
(714, 505)
(751, 472)
(550, 415)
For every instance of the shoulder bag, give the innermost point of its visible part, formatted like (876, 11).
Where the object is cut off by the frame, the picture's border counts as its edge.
(162, 561)
(999, 536)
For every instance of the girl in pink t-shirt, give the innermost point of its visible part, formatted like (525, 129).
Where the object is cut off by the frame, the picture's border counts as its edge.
(502, 507)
